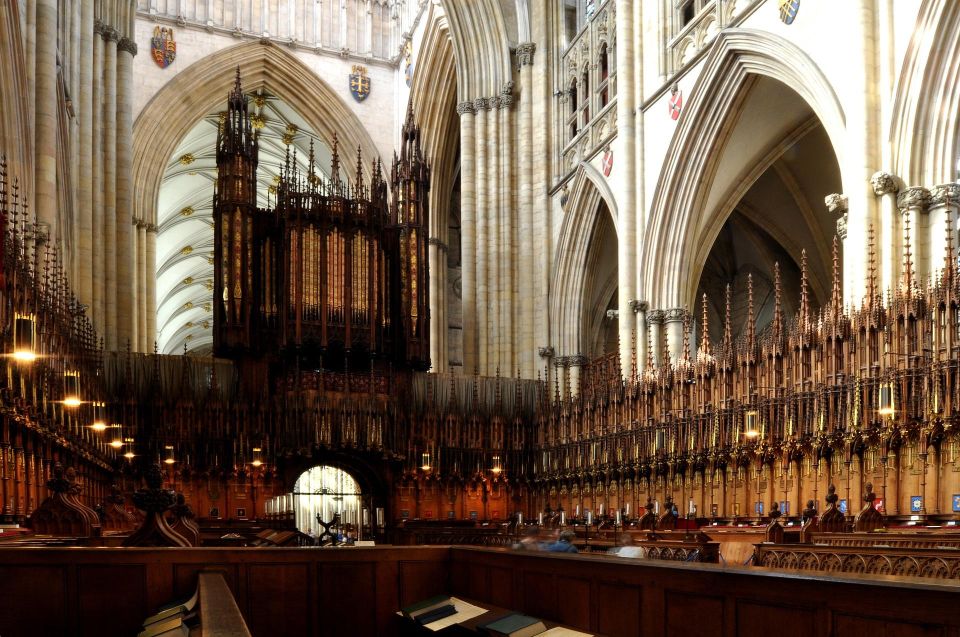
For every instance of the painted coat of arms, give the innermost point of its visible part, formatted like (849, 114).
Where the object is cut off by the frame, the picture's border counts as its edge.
(359, 83)
(788, 10)
(163, 47)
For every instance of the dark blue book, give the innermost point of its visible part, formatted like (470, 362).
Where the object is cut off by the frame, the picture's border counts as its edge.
(515, 625)
(435, 614)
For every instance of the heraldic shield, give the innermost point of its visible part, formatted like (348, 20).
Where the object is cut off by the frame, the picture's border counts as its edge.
(163, 47)
(359, 83)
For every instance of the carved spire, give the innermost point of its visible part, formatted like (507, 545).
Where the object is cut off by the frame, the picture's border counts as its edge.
(804, 321)
(704, 350)
(751, 322)
(907, 282)
(949, 267)
(359, 190)
(633, 355)
(685, 353)
(727, 328)
(777, 304)
(650, 357)
(836, 293)
(335, 163)
(871, 269)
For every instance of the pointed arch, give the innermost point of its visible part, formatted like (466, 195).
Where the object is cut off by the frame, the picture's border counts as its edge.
(589, 189)
(481, 46)
(202, 87)
(678, 220)
(925, 124)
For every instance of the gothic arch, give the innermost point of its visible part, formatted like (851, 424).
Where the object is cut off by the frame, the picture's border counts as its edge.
(202, 87)
(589, 189)
(481, 45)
(16, 140)
(925, 125)
(679, 220)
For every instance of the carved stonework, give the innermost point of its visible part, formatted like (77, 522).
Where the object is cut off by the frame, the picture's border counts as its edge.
(639, 306)
(577, 360)
(438, 243)
(655, 317)
(128, 45)
(466, 107)
(676, 315)
(915, 197)
(525, 51)
(836, 204)
(945, 195)
(546, 352)
(883, 183)
(109, 34)
(842, 226)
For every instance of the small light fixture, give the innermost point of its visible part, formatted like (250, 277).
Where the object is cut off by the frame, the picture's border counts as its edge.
(256, 457)
(886, 400)
(169, 459)
(497, 468)
(751, 426)
(116, 443)
(99, 422)
(24, 338)
(425, 461)
(71, 389)
(129, 455)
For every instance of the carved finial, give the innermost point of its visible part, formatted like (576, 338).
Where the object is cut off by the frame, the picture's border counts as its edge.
(359, 187)
(704, 330)
(777, 302)
(727, 328)
(907, 282)
(685, 353)
(633, 355)
(872, 268)
(650, 357)
(804, 294)
(751, 322)
(949, 267)
(836, 295)
(335, 162)
(832, 496)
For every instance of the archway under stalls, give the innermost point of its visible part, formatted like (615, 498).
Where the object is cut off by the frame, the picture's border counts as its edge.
(777, 217)
(327, 495)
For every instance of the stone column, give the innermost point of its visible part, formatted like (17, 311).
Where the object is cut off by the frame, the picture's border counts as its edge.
(126, 257)
(144, 345)
(482, 223)
(575, 365)
(151, 285)
(887, 232)
(655, 319)
(526, 246)
(109, 125)
(84, 145)
(96, 214)
(673, 323)
(912, 202)
(625, 155)
(493, 228)
(45, 118)
(468, 233)
(507, 251)
(944, 200)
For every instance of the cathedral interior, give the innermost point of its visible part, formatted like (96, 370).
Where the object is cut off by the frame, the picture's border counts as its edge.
(343, 317)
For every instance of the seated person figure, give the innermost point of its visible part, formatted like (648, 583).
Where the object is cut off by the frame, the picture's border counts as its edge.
(627, 548)
(564, 544)
(530, 540)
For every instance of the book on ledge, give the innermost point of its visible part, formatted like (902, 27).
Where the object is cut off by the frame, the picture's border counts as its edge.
(181, 607)
(437, 613)
(425, 606)
(173, 627)
(515, 625)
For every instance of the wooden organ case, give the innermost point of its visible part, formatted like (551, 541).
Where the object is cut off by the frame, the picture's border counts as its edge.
(334, 275)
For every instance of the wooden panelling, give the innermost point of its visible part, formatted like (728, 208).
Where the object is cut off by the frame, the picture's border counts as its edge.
(689, 614)
(359, 616)
(42, 590)
(287, 587)
(757, 619)
(573, 602)
(539, 594)
(618, 609)
(854, 626)
(478, 581)
(111, 596)
(420, 580)
(501, 587)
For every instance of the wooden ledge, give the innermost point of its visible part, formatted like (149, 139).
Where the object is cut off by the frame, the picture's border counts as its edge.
(219, 614)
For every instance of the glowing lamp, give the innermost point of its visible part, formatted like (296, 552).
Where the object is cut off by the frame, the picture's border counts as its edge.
(24, 338)
(751, 427)
(886, 400)
(169, 459)
(425, 462)
(129, 455)
(71, 389)
(497, 468)
(116, 443)
(257, 462)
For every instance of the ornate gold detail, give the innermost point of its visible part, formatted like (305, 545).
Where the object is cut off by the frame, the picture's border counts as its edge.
(188, 305)
(187, 159)
(259, 100)
(272, 189)
(207, 307)
(188, 280)
(208, 284)
(186, 250)
(258, 122)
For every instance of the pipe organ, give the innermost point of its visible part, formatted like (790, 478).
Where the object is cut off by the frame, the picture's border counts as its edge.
(334, 274)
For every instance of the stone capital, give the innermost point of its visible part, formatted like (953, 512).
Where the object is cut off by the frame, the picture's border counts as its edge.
(504, 101)
(945, 195)
(438, 243)
(152, 227)
(465, 107)
(655, 317)
(836, 203)
(613, 314)
(675, 315)
(128, 45)
(883, 183)
(639, 306)
(561, 361)
(525, 51)
(914, 197)
(546, 352)
(110, 34)
(480, 104)
(577, 360)
(842, 226)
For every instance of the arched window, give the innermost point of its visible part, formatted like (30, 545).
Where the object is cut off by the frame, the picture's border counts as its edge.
(585, 105)
(604, 88)
(322, 493)
(572, 118)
